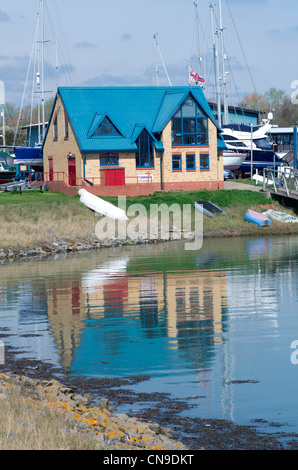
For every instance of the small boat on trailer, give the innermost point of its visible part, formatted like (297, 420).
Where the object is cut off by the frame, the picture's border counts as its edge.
(208, 208)
(262, 220)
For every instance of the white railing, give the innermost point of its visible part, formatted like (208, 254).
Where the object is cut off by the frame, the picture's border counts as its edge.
(282, 179)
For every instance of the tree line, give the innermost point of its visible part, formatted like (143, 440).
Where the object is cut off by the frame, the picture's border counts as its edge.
(283, 107)
(14, 118)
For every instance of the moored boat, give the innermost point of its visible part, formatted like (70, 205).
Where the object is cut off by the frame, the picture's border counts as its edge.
(28, 156)
(254, 142)
(208, 208)
(281, 216)
(257, 218)
(7, 169)
(232, 160)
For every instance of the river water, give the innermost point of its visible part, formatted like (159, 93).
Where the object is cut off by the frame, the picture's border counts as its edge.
(213, 326)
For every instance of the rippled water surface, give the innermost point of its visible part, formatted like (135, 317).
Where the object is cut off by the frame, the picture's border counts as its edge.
(213, 326)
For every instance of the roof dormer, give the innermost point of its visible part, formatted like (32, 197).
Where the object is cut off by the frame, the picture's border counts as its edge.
(102, 126)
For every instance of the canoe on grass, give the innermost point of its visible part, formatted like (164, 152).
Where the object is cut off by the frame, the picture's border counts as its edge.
(208, 208)
(257, 218)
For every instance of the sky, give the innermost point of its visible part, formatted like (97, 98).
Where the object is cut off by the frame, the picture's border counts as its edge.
(102, 43)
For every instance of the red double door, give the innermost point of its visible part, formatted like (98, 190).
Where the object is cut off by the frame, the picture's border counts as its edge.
(115, 177)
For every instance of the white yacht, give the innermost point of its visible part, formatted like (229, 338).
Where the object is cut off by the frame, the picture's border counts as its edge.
(253, 142)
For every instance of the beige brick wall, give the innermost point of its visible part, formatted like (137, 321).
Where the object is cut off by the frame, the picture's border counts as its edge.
(59, 149)
(215, 172)
(127, 161)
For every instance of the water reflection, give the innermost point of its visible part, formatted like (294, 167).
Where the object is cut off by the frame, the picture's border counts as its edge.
(192, 320)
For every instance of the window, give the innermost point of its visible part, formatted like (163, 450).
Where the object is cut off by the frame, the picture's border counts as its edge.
(190, 125)
(176, 162)
(56, 127)
(106, 160)
(190, 162)
(66, 135)
(263, 144)
(106, 128)
(145, 152)
(204, 161)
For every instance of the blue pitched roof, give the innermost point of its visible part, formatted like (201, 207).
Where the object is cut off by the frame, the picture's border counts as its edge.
(130, 109)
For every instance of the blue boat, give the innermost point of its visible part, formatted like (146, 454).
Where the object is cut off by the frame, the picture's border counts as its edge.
(257, 218)
(28, 156)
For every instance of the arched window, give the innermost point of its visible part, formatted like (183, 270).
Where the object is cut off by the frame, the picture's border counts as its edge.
(190, 124)
(145, 152)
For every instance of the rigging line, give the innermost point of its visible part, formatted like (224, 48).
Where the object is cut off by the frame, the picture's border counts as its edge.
(198, 42)
(230, 69)
(244, 56)
(236, 88)
(33, 50)
(58, 45)
(63, 37)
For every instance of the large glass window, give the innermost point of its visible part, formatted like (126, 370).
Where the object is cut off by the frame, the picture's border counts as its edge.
(145, 152)
(190, 125)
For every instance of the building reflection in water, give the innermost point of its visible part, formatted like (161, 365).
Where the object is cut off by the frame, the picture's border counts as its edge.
(187, 309)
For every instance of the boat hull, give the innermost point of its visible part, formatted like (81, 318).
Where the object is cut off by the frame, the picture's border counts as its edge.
(260, 159)
(7, 176)
(28, 156)
(208, 208)
(233, 161)
(257, 218)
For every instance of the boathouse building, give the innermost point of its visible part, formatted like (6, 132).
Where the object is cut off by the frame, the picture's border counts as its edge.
(132, 140)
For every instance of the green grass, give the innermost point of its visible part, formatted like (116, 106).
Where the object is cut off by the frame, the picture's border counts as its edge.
(222, 198)
(33, 217)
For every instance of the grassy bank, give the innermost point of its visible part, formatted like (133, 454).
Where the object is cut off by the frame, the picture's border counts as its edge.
(50, 426)
(32, 218)
(46, 415)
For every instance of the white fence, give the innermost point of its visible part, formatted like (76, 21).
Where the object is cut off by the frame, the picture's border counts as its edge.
(283, 180)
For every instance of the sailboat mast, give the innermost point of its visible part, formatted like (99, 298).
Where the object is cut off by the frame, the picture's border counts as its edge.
(155, 58)
(42, 72)
(224, 77)
(216, 65)
(198, 40)
(156, 48)
(37, 45)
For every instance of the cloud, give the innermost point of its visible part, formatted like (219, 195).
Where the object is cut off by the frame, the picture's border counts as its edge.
(273, 31)
(292, 29)
(126, 36)
(106, 79)
(4, 16)
(85, 45)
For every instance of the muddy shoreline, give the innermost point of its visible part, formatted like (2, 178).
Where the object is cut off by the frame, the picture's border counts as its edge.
(159, 408)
